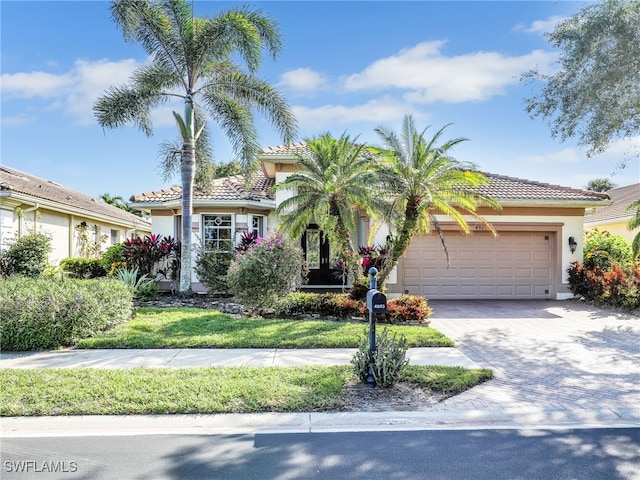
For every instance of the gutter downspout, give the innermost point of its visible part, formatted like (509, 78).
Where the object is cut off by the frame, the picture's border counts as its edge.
(26, 210)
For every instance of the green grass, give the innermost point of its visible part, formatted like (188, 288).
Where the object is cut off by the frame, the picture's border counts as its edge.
(85, 391)
(199, 328)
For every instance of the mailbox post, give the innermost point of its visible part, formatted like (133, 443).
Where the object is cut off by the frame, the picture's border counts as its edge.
(376, 303)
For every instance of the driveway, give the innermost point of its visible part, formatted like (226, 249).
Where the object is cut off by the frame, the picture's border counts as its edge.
(545, 354)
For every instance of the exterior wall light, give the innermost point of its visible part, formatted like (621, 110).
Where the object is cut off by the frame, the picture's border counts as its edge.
(572, 244)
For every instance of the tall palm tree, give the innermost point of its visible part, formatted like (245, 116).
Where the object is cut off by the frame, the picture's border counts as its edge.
(425, 180)
(337, 183)
(191, 59)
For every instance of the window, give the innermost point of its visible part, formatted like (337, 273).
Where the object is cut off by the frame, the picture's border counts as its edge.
(115, 236)
(217, 232)
(257, 225)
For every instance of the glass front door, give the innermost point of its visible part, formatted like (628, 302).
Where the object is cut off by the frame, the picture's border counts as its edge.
(320, 260)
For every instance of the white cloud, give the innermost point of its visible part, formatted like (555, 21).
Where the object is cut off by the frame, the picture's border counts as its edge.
(384, 109)
(302, 80)
(17, 121)
(35, 84)
(564, 156)
(74, 91)
(430, 76)
(542, 26)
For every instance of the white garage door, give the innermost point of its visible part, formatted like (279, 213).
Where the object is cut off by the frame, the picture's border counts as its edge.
(515, 265)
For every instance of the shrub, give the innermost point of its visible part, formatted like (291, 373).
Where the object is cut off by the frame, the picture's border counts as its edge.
(211, 268)
(27, 255)
(389, 359)
(606, 248)
(153, 255)
(83, 267)
(615, 286)
(408, 308)
(269, 269)
(47, 313)
(113, 255)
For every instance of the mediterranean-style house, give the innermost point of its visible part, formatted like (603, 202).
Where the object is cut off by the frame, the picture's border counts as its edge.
(29, 203)
(539, 234)
(615, 217)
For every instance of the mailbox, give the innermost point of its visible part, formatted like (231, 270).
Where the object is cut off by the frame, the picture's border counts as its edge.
(376, 301)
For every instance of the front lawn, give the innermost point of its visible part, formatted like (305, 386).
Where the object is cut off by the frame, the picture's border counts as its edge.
(200, 328)
(85, 391)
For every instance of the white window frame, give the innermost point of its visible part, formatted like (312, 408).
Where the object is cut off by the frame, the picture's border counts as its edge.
(262, 229)
(232, 229)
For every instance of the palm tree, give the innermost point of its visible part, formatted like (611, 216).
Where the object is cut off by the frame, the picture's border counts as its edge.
(190, 59)
(115, 201)
(633, 224)
(337, 183)
(600, 185)
(424, 180)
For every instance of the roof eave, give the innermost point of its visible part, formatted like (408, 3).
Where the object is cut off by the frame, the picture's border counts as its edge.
(68, 209)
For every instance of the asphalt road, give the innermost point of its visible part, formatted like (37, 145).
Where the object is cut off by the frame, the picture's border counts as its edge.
(533, 454)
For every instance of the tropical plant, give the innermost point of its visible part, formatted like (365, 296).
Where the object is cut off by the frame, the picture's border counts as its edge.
(152, 254)
(89, 240)
(600, 185)
(633, 224)
(194, 59)
(385, 363)
(120, 203)
(338, 183)
(143, 287)
(425, 180)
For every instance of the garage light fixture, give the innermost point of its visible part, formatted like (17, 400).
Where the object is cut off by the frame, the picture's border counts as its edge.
(572, 244)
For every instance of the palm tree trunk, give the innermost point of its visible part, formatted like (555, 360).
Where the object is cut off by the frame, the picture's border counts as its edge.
(187, 174)
(400, 245)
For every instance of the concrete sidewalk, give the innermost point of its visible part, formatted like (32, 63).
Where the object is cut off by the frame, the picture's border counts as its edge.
(557, 364)
(209, 357)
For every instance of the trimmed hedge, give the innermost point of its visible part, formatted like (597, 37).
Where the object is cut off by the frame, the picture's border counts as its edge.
(404, 309)
(45, 313)
(84, 267)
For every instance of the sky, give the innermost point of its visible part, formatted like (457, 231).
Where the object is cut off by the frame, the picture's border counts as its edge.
(345, 67)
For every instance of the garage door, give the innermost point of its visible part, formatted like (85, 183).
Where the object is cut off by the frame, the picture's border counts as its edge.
(516, 265)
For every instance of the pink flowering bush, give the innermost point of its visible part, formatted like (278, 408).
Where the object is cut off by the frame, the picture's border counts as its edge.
(269, 269)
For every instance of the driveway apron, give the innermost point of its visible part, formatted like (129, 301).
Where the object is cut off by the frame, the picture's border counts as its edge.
(545, 354)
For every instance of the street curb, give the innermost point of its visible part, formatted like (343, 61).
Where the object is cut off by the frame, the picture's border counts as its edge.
(315, 422)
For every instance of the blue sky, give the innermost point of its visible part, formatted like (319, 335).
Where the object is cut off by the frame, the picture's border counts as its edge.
(345, 67)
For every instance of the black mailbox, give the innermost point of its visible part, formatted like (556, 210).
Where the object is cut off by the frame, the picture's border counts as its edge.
(376, 301)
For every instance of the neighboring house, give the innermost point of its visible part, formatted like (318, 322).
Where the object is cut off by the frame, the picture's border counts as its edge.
(76, 222)
(615, 217)
(527, 260)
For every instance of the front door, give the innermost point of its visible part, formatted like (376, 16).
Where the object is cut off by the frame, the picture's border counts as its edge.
(317, 252)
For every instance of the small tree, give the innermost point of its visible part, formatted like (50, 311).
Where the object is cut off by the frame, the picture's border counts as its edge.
(268, 270)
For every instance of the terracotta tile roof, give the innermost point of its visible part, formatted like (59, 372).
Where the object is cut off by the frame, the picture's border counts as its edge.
(504, 188)
(500, 187)
(220, 189)
(15, 181)
(621, 197)
(300, 148)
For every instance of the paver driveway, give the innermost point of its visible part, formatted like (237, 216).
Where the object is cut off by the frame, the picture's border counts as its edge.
(545, 354)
